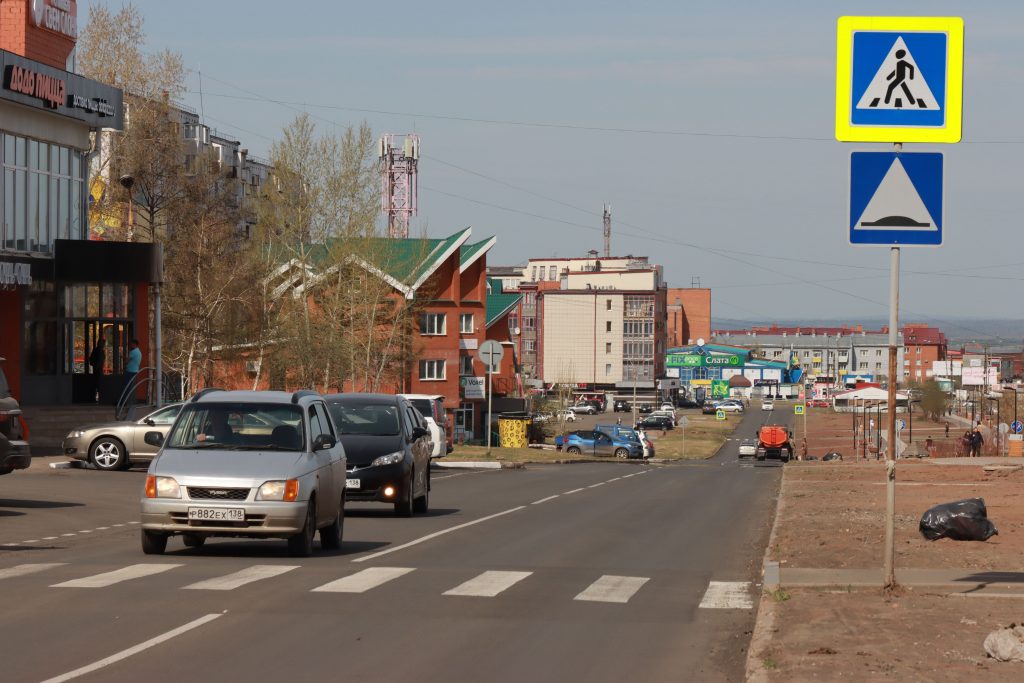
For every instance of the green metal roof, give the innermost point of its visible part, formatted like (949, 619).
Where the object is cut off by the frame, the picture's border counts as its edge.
(471, 252)
(499, 302)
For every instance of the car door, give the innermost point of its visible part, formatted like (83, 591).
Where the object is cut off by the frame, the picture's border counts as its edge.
(326, 479)
(603, 444)
(420, 448)
(338, 463)
(157, 421)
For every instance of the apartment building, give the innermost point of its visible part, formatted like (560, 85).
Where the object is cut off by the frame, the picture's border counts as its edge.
(688, 315)
(922, 346)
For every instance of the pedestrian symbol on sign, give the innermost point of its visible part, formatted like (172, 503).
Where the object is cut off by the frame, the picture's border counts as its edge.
(897, 73)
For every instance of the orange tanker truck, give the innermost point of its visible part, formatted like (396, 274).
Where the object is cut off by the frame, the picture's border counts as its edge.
(774, 441)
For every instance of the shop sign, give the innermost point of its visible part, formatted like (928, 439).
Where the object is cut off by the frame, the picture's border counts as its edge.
(50, 89)
(93, 105)
(700, 383)
(15, 274)
(59, 16)
(719, 388)
(694, 360)
(473, 387)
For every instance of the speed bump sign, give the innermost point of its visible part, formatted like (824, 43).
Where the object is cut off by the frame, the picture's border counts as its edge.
(798, 409)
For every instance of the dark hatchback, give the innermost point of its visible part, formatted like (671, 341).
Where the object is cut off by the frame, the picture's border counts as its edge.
(655, 422)
(388, 447)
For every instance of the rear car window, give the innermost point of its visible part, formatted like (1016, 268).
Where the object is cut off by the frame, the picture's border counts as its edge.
(368, 420)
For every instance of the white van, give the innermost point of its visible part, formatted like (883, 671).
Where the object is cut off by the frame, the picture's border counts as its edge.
(431, 407)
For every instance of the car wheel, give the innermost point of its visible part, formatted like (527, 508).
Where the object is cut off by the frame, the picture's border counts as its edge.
(330, 536)
(193, 540)
(301, 544)
(621, 453)
(403, 508)
(153, 542)
(422, 504)
(108, 453)
(574, 450)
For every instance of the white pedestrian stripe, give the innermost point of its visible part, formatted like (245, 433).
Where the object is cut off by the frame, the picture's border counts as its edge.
(727, 595)
(243, 577)
(134, 571)
(610, 588)
(23, 569)
(362, 581)
(488, 584)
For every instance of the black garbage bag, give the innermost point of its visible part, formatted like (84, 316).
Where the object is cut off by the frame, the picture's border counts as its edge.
(832, 455)
(964, 520)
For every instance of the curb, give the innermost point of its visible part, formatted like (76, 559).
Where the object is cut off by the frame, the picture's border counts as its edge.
(764, 622)
(469, 464)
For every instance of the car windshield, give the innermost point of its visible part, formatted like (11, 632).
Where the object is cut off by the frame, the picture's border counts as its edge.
(239, 427)
(368, 420)
(424, 405)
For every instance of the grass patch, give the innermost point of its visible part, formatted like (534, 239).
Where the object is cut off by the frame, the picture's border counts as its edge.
(780, 595)
(769, 663)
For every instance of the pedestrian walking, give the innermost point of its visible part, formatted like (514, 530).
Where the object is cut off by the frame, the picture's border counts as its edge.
(977, 441)
(97, 359)
(131, 370)
(929, 446)
(947, 430)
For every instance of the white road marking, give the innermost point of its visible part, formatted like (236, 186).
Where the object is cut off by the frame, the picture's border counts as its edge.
(611, 480)
(85, 531)
(117, 525)
(360, 582)
(442, 532)
(68, 534)
(488, 584)
(727, 595)
(23, 569)
(31, 540)
(49, 538)
(610, 588)
(544, 500)
(102, 528)
(124, 654)
(134, 571)
(242, 577)
(134, 522)
(569, 493)
(594, 486)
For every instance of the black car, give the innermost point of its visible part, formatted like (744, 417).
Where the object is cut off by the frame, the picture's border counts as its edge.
(388, 447)
(645, 408)
(687, 403)
(655, 422)
(622, 407)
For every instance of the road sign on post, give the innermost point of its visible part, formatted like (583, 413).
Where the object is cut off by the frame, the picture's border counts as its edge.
(798, 409)
(899, 79)
(896, 198)
(490, 354)
(1017, 426)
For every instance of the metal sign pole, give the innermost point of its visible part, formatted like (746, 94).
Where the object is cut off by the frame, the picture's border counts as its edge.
(490, 394)
(890, 460)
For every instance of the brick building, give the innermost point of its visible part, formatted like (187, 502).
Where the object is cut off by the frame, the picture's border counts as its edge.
(688, 313)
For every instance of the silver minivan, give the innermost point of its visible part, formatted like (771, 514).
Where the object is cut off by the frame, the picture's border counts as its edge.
(257, 464)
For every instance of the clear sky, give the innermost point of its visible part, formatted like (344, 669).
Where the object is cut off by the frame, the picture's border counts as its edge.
(706, 126)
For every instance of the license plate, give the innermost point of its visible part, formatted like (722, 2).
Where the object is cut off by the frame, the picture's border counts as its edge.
(217, 514)
(352, 483)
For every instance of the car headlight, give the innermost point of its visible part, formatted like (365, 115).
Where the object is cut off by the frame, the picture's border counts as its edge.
(389, 459)
(162, 487)
(279, 490)
(77, 434)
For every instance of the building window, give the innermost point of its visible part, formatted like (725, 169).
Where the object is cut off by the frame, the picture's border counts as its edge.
(466, 323)
(863, 366)
(431, 369)
(776, 354)
(608, 326)
(607, 369)
(607, 347)
(552, 273)
(465, 365)
(878, 352)
(533, 274)
(529, 298)
(607, 304)
(513, 323)
(878, 366)
(432, 323)
(529, 323)
(530, 345)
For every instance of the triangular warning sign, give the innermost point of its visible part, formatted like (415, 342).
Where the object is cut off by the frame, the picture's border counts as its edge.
(898, 84)
(896, 204)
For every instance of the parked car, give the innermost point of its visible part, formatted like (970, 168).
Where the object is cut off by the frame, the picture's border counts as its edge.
(116, 445)
(709, 409)
(566, 415)
(431, 407)
(748, 448)
(645, 409)
(731, 406)
(819, 403)
(658, 422)
(388, 450)
(687, 403)
(543, 417)
(622, 407)
(584, 408)
(220, 473)
(617, 430)
(596, 443)
(767, 404)
(668, 407)
(15, 453)
(669, 415)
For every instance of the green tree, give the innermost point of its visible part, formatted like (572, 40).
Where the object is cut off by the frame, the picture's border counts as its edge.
(934, 401)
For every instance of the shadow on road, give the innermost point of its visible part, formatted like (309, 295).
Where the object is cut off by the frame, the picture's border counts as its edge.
(269, 548)
(15, 503)
(385, 511)
(10, 513)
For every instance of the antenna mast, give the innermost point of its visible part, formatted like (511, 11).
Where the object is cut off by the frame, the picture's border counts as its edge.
(607, 230)
(398, 180)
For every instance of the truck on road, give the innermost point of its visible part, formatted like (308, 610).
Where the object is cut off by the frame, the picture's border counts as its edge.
(774, 441)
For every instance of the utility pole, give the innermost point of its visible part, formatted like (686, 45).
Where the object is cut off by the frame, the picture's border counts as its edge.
(607, 230)
(890, 452)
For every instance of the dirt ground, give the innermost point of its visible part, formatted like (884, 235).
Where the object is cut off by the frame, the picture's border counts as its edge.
(831, 516)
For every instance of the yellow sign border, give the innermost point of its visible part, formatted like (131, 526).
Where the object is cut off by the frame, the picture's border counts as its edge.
(953, 27)
(799, 409)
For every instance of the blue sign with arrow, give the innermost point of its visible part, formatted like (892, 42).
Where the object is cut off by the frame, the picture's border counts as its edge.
(896, 198)
(1017, 427)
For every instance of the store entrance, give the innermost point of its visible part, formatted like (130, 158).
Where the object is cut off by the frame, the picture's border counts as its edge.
(81, 337)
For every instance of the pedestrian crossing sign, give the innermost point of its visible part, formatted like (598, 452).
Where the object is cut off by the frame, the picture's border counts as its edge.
(899, 79)
(798, 409)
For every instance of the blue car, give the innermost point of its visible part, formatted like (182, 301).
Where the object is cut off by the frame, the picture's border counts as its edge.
(586, 442)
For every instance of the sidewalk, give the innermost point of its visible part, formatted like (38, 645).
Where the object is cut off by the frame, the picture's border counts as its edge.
(962, 580)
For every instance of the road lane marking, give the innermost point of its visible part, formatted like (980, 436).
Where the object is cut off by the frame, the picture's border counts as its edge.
(442, 532)
(360, 582)
(102, 528)
(544, 500)
(569, 493)
(23, 569)
(611, 480)
(134, 571)
(124, 654)
(727, 595)
(610, 588)
(594, 486)
(49, 538)
(117, 525)
(488, 584)
(67, 534)
(240, 578)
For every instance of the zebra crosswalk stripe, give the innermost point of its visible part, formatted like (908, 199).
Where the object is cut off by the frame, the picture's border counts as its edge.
(364, 580)
(488, 584)
(248, 575)
(610, 588)
(133, 571)
(23, 569)
(727, 595)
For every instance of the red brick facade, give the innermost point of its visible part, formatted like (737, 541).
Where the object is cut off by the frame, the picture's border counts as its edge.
(688, 313)
(18, 34)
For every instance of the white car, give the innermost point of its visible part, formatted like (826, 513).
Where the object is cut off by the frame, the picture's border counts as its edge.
(748, 448)
(668, 407)
(431, 407)
(731, 406)
(584, 408)
(567, 415)
(767, 405)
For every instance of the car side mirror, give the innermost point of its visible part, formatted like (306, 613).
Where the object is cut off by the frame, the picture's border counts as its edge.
(324, 442)
(149, 421)
(419, 433)
(154, 439)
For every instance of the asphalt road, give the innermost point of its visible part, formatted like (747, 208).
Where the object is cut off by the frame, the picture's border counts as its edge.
(596, 572)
